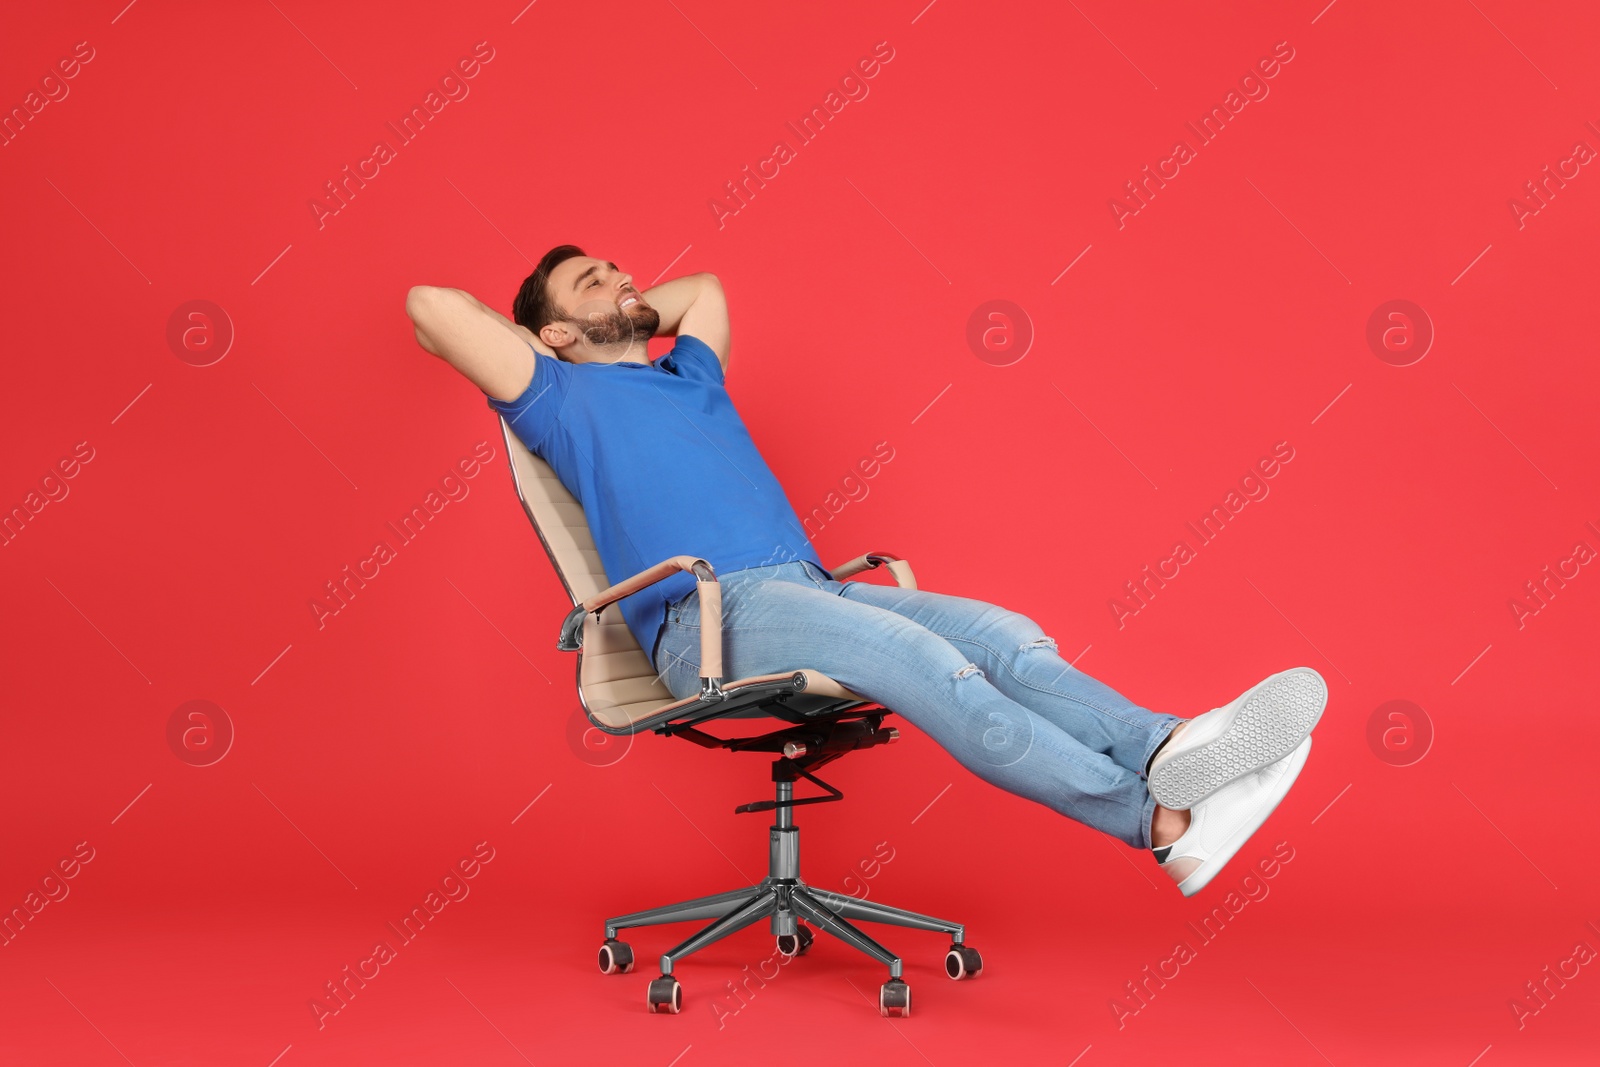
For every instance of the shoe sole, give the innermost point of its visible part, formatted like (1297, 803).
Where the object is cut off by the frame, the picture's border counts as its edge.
(1271, 722)
(1218, 859)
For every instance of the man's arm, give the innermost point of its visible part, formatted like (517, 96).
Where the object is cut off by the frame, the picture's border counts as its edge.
(693, 305)
(515, 327)
(474, 338)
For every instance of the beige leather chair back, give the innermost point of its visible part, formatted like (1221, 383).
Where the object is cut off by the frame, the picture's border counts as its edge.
(618, 682)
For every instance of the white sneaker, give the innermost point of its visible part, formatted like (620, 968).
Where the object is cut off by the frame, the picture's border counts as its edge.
(1260, 726)
(1220, 825)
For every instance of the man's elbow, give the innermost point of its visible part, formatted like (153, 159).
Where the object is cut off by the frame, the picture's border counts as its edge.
(420, 298)
(421, 301)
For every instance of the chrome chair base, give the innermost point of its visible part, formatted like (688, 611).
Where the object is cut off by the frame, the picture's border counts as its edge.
(783, 899)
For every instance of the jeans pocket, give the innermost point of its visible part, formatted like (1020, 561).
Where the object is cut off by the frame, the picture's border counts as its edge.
(678, 662)
(689, 604)
(819, 577)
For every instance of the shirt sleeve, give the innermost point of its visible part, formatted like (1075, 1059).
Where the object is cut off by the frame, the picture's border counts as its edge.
(693, 359)
(533, 415)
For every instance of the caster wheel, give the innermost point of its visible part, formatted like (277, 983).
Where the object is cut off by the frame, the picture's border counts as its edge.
(894, 999)
(962, 962)
(615, 957)
(665, 995)
(795, 944)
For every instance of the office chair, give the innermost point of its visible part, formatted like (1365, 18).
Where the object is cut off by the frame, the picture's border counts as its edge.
(621, 693)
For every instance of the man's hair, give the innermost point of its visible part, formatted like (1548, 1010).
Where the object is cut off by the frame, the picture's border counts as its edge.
(534, 307)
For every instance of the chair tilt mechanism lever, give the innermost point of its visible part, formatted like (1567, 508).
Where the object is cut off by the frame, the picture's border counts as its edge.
(782, 773)
(803, 748)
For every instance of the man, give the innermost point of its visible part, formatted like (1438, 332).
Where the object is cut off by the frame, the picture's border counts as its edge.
(663, 466)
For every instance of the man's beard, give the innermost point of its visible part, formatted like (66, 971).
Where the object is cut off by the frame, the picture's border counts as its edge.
(619, 326)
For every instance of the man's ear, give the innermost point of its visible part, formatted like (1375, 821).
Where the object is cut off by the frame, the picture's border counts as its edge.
(557, 335)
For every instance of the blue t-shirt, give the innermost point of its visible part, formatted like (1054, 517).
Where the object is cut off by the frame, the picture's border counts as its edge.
(663, 466)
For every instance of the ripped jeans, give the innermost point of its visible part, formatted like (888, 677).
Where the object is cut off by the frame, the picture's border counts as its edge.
(983, 682)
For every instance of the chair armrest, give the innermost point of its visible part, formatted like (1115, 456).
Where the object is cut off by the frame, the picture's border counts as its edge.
(899, 569)
(710, 612)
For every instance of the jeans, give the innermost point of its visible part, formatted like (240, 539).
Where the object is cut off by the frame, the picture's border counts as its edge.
(983, 682)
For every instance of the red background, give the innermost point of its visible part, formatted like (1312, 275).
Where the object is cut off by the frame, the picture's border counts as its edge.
(373, 753)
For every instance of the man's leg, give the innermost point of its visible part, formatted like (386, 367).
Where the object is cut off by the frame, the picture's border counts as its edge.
(1023, 663)
(776, 625)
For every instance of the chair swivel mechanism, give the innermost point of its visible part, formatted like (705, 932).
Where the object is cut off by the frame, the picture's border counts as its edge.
(622, 694)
